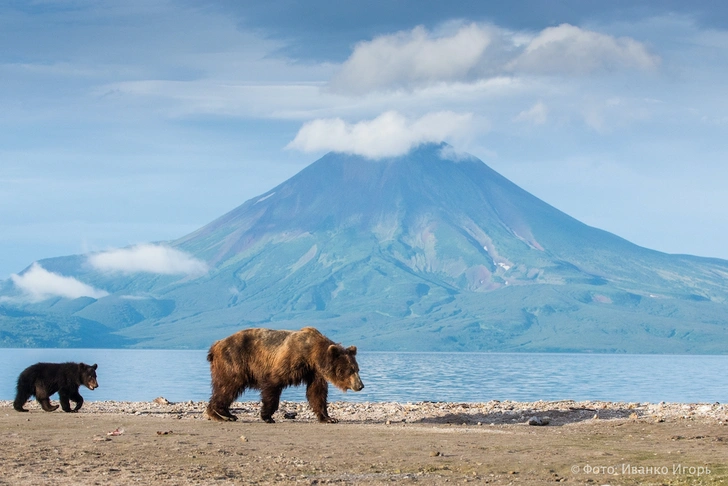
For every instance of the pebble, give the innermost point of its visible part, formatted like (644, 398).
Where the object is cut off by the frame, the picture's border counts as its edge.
(538, 420)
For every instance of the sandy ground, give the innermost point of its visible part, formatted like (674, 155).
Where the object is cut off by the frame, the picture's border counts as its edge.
(594, 443)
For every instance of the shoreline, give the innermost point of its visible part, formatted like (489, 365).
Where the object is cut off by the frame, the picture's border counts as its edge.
(425, 443)
(494, 412)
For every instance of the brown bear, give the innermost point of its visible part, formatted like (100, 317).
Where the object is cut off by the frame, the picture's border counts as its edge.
(271, 360)
(45, 379)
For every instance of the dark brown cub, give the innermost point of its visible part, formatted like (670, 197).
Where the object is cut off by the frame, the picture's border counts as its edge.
(44, 379)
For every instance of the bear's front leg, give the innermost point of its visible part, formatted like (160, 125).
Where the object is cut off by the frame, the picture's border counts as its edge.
(76, 397)
(65, 403)
(317, 393)
(270, 397)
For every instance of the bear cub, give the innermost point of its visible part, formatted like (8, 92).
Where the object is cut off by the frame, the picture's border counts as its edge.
(45, 379)
(271, 360)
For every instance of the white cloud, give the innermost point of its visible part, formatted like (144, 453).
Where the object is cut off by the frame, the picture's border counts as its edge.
(417, 59)
(567, 49)
(537, 114)
(186, 98)
(40, 284)
(150, 259)
(387, 135)
(448, 152)
(412, 58)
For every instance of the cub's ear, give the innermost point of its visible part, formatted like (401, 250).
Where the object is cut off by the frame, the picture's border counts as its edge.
(351, 350)
(94, 366)
(334, 350)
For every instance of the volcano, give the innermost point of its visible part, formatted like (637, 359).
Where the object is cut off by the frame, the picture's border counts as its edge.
(430, 251)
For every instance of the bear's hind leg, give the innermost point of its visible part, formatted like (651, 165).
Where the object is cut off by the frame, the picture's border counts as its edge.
(270, 397)
(43, 397)
(220, 401)
(219, 415)
(45, 403)
(219, 412)
(20, 398)
(25, 389)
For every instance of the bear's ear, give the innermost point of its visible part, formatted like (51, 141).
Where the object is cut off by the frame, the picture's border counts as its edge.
(94, 366)
(333, 350)
(351, 350)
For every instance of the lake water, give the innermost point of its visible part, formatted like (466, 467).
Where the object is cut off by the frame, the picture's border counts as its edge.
(142, 375)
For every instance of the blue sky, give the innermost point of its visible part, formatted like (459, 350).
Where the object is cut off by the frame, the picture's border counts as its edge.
(139, 121)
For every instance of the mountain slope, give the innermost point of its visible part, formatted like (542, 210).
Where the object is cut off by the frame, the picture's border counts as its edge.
(420, 252)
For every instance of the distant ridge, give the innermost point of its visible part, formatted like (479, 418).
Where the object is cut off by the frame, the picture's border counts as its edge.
(427, 251)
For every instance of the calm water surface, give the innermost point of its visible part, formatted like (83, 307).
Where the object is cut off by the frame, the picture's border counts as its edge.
(142, 375)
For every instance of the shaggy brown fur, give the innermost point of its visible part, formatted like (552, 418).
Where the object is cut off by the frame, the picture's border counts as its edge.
(45, 379)
(271, 360)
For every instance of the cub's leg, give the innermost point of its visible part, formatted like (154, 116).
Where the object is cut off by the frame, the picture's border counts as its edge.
(63, 398)
(76, 397)
(20, 399)
(42, 395)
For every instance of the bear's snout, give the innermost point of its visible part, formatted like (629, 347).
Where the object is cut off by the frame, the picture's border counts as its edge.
(356, 383)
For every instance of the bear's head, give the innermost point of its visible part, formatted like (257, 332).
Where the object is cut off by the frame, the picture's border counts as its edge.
(341, 368)
(88, 375)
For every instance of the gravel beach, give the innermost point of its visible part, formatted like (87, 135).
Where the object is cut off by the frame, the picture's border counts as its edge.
(495, 442)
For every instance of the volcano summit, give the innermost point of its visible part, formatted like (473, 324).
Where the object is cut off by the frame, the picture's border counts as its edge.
(429, 251)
